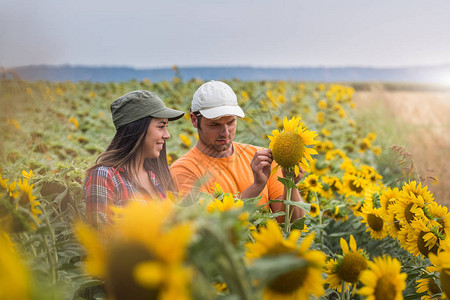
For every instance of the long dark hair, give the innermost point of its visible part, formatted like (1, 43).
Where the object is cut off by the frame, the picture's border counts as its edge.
(123, 151)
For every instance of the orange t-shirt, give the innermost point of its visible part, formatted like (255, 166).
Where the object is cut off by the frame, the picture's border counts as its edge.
(234, 173)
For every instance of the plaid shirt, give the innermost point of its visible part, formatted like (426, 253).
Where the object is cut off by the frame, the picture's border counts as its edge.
(105, 187)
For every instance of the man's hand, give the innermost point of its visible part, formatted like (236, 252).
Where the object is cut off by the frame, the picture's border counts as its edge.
(297, 178)
(261, 162)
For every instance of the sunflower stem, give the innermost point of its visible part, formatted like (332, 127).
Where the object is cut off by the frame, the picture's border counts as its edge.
(287, 217)
(320, 220)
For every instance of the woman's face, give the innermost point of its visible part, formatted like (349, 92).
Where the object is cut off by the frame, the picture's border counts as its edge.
(155, 138)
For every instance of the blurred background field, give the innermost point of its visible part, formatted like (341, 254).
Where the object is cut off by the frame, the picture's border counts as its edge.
(415, 116)
(47, 125)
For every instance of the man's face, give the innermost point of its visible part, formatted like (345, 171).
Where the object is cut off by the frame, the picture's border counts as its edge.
(217, 135)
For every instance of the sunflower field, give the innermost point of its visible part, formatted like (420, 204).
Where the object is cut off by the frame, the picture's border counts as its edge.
(372, 230)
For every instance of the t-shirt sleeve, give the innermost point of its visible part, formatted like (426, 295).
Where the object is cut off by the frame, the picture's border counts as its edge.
(275, 187)
(99, 194)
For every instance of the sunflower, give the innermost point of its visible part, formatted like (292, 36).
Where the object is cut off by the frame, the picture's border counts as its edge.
(364, 144)
(409, 205)
(371, 175)
(15, 281)
(383, 280)
(185, 141)
(332, 154)
(314, 210)
(388, 197)
(296, 284)
(312, 181)
(423, 240)
(27, 198)
(347, 268)
(392, 223)
(414, 190)
(333, 182)
(374, 221)
(428, 285)
(442, 263)
(137, 263)
(354, 185)
(227, 203)
(289, 146)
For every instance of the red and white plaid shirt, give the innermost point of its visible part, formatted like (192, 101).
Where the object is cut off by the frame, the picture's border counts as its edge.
(106, 187)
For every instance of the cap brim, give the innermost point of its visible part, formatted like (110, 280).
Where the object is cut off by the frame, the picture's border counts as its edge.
(221, 111)
(168, 113)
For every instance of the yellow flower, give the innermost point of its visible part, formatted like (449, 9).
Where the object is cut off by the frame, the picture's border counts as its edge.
(325, 132)
(364, 145)
(313, 183)
(226, 204)
(137, 263)
(314, 211)
(429, 286)
(185, 140)
(14, 123)
(74, 122)
(383, 279)
(14, 277)
(442, 262)
(289, 147)
(372, 136)
(320, 117)
(374, 221)
(346, 268)
(28, 199)
(299, 283)
(26, 174)
(354, 185)
(3, 182)
(322, 104)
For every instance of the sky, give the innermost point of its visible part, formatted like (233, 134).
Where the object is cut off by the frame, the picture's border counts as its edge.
(259, 33)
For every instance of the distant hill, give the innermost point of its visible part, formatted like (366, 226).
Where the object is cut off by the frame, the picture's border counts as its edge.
(431, 74)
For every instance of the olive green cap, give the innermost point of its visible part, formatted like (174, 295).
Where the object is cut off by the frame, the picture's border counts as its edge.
(140, 104)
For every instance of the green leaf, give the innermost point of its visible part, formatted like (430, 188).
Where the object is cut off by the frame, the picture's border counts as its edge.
(289, 184)
(299, 224)
(340, 234)
(302, 205)
(267, 268)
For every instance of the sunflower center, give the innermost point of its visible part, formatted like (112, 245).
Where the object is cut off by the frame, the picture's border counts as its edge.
(24, 199)
(354, 187)
(120, 265)
(397, 224)
(313, 209)
(351, 266)
(313, 182)
(363, 146)
(433, 287)
(288, 149)
(445, 281)
(409, 216)
(289, 282)
(385, 289)
(421, 245)
(375, 223)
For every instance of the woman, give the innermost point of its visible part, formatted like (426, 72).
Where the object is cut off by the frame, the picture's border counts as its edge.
(134, 166)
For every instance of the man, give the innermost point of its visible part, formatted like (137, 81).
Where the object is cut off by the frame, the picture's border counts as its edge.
(238, 168)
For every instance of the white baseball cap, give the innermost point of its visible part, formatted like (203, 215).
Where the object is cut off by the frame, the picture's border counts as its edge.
(215, 99)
